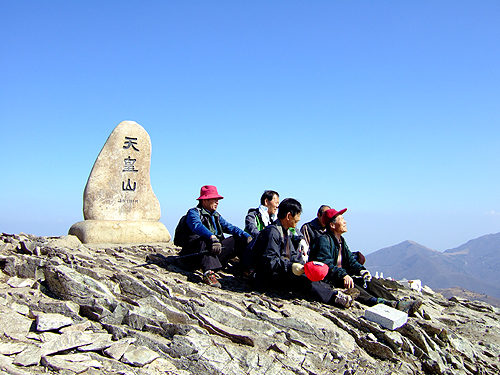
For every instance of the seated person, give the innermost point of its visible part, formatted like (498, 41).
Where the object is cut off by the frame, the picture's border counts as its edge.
(278, 264)
(259, 218)
(315, 228)
(206, 229)
(332, 250)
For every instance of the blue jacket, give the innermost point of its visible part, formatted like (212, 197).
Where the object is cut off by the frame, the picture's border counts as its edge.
(205, 224)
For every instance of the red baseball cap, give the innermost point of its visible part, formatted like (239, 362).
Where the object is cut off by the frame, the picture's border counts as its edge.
(328, 215)
(209, 192)
(315, 271)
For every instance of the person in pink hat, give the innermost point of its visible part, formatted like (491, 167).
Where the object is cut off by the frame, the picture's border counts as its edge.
(344, 269)
(206, 228)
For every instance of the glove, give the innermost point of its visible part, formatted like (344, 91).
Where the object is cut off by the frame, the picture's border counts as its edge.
(366, 275)
(249, 239)
(297, 269)
(304, 250)
(216, 247)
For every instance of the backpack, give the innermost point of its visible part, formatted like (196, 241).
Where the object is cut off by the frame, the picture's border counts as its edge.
(182, 231)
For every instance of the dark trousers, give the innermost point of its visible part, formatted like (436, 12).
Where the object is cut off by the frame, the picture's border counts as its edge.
(368, 296)
(230, 248)
(292, 283)
(374, 288)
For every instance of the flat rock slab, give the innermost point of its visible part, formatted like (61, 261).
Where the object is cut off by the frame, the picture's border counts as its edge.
(119, 348)
(59, 363)
(120, 231)
(29, 357)
(50, 322)
(14, 325)
(100, 341)
(67, 341)
(139, 356)
(16, 282)
(11, 348)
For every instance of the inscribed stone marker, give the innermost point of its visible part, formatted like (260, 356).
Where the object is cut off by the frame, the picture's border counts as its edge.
(119, 205)
(119, 186)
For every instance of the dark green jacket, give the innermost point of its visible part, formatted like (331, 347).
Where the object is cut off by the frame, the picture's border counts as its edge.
(326, 250)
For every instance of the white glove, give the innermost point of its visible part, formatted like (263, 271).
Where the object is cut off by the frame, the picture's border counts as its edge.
(297, 269)
(366, 275)
(303, 250)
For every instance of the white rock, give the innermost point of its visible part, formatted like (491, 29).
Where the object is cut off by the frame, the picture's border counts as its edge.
(386, 316)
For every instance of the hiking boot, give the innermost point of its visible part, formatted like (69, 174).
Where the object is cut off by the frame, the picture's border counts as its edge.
(409, 306)
(210, 279)
(343, 299)
(353, 292)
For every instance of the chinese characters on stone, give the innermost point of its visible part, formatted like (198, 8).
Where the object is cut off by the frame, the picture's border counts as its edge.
(129, 164)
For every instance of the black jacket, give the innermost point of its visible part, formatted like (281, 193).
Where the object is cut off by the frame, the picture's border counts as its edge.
(312, 231)
(272, 263)
(326, 250)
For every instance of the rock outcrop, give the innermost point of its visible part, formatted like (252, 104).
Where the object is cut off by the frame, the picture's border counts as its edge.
(69, 308)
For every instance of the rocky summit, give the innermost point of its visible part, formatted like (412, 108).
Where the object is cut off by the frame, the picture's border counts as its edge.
(67, 308)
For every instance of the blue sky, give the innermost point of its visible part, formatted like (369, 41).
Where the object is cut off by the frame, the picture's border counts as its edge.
(388, 108)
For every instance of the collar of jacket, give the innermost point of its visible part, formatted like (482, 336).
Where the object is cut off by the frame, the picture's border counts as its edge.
(205, 212)
(335, 241)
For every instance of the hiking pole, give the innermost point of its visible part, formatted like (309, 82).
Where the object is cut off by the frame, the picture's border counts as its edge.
(192, 255)
(159, 258)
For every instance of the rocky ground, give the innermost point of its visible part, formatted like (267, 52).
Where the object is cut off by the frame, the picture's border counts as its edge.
(68, 308)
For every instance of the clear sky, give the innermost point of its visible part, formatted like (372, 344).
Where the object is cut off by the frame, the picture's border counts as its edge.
(388, 108)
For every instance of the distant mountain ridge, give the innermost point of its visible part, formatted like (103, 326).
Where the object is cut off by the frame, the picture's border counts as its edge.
(474, 265)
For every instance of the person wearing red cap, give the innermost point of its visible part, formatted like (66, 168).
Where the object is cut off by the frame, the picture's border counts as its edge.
(332, 250)
(278, 264)
(206, 235)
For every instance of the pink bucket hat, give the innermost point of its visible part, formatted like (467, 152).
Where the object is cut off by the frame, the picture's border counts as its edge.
(209, 192)
(315, 271)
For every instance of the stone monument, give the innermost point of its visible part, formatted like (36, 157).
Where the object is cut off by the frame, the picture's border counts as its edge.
(119, 205)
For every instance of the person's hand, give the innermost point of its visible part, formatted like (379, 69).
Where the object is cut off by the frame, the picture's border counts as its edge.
(249, 239)
(297, 269)
(366, 275)
(216, 247)
(348, 282)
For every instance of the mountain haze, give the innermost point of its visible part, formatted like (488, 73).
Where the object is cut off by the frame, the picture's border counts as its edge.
(474, 266)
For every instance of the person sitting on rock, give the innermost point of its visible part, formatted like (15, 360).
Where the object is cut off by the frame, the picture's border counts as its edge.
(332, 250)
(259, 218)
(206, 235)
(315, 228)
(279, 265)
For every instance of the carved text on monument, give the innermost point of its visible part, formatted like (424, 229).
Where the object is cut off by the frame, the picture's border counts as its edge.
(130, 142)
(130, 163)
(128, 200)
(129, 186)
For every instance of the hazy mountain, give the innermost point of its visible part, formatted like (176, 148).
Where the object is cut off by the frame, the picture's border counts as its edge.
(474, 266)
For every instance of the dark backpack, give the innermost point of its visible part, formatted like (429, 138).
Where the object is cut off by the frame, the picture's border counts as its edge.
(182, 231)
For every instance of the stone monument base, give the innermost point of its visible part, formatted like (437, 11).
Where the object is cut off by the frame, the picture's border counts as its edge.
(120, 231)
